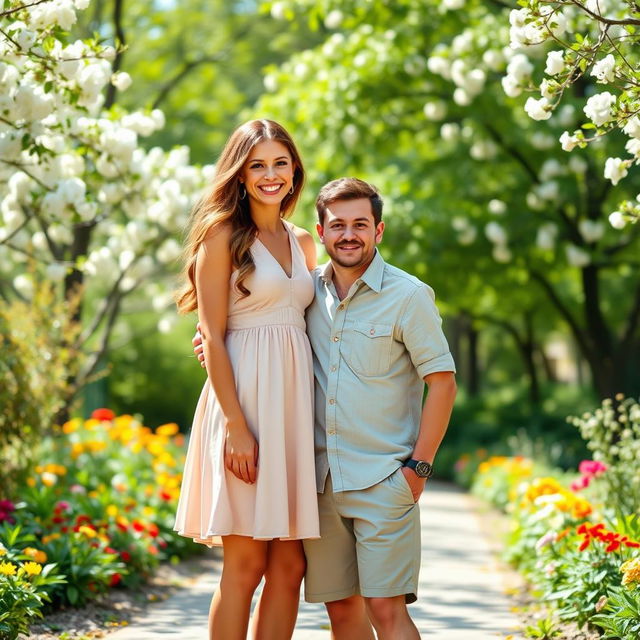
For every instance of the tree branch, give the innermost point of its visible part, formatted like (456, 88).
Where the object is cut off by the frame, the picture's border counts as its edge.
(187, 68)
(578, 333)
(120, 45)
(632, 325)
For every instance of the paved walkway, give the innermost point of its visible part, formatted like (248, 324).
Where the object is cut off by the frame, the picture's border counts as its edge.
(461, 586)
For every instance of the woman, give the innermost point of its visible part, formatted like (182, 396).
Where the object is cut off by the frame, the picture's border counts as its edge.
(246, 481)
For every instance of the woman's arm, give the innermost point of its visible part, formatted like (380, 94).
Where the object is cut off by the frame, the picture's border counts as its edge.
(308, 247)
(213, 271)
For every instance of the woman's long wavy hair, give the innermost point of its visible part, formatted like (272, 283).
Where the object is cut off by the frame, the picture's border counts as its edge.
(224, 205)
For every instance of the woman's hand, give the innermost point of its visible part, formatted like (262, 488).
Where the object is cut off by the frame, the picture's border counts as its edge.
(241, 452)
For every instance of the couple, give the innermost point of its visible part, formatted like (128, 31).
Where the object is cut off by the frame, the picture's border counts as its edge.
(335, 501)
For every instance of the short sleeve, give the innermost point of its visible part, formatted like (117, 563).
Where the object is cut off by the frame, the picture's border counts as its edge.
(421, 332)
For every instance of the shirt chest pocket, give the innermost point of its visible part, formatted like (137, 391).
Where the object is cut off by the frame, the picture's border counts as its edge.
(368, 348)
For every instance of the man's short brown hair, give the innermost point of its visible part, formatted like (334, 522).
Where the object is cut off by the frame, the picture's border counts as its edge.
(348, 189)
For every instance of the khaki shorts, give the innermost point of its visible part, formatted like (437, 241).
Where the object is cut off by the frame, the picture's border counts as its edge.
(369, 543)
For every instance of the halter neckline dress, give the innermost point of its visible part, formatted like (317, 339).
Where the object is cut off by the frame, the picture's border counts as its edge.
(273, 370)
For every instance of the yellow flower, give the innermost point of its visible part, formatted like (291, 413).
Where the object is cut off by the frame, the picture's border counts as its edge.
(631, 571)
(169, 429)
(91, 424)
(112, 510)
(71, 426)
(31, 482)
(48, 478)
(32, 568)
(87, 531)
(50, 537)
(7, 569)
(95, 445)
(77, 448)
(36, 554)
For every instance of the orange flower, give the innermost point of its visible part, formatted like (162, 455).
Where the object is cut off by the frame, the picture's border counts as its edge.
(36, 554)
(169, 429)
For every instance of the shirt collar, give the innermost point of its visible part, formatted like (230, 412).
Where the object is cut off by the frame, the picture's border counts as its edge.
(372, 277)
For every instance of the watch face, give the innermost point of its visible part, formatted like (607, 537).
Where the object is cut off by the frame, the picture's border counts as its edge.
(423, 469)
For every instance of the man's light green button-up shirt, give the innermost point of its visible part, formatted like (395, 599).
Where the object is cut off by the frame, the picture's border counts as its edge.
(371, 353)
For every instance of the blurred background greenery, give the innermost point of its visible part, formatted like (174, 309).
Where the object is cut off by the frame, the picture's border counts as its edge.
(481, 202)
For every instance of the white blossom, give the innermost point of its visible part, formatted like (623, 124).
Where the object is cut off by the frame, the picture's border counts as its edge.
(598, 107)
(501, 253)
(538, 109)
(568, 141)
(615, 169)
(576, 256)
(121, 80)
(497, 207)
(334, 19)
(604, 70)
(24, 285)
(435, 110)
(450, 131)
(591, 230)
(495, 233)
(546, 236)
(632, 128)
(617, 220)
(555, 63)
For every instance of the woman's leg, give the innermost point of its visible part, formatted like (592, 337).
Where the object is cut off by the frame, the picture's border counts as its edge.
(245, 562)
(276, 613)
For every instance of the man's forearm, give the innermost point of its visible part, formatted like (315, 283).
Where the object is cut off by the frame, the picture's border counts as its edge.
(436, 413)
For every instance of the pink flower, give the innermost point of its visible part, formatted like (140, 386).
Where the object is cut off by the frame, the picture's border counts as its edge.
(581, 483)
(592, 468)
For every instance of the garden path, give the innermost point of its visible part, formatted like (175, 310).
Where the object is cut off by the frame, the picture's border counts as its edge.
(462, 585)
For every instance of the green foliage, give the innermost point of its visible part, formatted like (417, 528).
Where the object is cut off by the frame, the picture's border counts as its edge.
(25, 585)
(612, 433)
(545, 629)
(36, 363)
(620, 618)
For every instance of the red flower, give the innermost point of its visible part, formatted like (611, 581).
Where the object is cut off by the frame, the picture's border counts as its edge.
(162, 544)
(110, 550)
(153, 549)
(125, 556)
(115, 579)
(165, 496)
(83, 518)
(58, 519)
(153, 530)
(103, 414)
(138, 526)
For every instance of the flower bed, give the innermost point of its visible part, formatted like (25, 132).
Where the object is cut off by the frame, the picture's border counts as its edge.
(576, 537)
(96, 513)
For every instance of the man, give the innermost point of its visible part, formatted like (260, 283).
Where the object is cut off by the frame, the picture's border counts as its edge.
(376, 338)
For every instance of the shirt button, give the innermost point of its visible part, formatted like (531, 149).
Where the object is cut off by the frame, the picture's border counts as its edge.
(333, 368)
(331, 432)
(335, 338)
(332, 401)
(372, 332)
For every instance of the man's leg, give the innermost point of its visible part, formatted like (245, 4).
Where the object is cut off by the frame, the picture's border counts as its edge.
(349, 619)
(332, 571)
(391, 618)
(386, 524)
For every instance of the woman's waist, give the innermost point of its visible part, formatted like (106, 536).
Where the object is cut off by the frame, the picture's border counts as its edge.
(288, 316)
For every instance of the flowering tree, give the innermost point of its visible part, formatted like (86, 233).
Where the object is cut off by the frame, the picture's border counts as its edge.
(421, 93)
(597, 39)
(83, 203)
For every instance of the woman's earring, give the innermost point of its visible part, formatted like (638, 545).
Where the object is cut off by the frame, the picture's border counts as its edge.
(291, 190)
(243, 192)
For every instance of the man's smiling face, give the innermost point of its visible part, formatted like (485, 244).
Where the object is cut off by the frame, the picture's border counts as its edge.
(349, 232)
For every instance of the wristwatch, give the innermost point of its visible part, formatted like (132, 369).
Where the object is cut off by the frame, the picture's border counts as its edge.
(421, 468)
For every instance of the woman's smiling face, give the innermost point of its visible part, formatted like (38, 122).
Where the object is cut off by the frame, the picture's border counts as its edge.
(268, 173)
